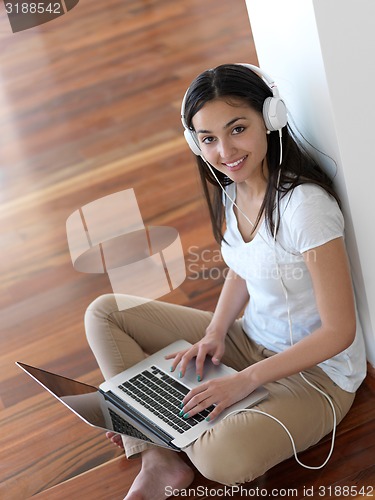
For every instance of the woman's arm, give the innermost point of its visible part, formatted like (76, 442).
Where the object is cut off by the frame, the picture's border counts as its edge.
(329, 269)
(233, 297)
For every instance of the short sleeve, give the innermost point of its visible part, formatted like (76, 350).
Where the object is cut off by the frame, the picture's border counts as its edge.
(315, 218)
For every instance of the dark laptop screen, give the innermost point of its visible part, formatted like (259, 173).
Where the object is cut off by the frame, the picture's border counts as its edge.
(83, 399)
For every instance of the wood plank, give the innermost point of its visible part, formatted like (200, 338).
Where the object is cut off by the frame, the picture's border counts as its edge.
(43, 443)
(362, 482)
(95, 483)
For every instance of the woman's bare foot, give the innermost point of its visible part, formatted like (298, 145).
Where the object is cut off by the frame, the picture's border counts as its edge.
(116, 439)
(162, 472)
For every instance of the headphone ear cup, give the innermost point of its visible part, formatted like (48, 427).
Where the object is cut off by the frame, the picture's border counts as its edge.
(191, 140)
(274, 113)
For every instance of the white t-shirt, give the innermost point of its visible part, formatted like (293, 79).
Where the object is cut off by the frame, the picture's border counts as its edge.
(310, 217)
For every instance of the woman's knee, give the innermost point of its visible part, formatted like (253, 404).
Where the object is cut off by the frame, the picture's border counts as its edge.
(102, 305)
(98, 311)
(225, 467)
(226, 455)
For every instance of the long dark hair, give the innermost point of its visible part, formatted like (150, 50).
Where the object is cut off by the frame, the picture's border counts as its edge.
(298, 167)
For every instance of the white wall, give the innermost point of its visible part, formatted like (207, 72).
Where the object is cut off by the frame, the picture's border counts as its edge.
(319, 53)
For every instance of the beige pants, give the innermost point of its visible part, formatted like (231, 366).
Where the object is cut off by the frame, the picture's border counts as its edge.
(243, 446)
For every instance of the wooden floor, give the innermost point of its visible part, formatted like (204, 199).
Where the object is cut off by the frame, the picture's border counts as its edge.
(89, 105)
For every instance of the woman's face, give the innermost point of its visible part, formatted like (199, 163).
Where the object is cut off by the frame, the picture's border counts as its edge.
(232, 137)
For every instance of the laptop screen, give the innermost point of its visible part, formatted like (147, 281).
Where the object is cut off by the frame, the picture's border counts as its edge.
(88, 403)
(84, 400)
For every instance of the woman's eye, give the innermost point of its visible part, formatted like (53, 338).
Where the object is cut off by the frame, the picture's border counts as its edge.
(238, 130)
(208, 140)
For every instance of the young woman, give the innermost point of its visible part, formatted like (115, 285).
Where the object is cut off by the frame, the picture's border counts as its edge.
(286, 305)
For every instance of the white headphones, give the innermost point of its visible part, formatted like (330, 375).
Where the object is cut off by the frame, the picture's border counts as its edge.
(274, 111)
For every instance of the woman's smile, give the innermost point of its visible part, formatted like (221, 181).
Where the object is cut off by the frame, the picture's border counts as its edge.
(236, 165)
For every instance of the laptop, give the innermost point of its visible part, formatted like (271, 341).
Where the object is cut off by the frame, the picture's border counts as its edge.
(144, 400)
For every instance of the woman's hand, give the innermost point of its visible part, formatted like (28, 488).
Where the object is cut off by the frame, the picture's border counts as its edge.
(222, 392)
(210, 345)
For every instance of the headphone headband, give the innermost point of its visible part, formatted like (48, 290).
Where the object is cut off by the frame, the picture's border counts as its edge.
(274, 110)
(266, 77)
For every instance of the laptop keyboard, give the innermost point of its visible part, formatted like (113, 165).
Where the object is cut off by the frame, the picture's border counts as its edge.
(123, 427)
(162, 395)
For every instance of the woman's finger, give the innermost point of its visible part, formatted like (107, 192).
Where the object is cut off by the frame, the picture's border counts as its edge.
(176, 356)
(215, 412)
(197, 404)
(199, 363)
(188, 356)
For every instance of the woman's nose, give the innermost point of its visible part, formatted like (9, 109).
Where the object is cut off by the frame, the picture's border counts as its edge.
(226, 149)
